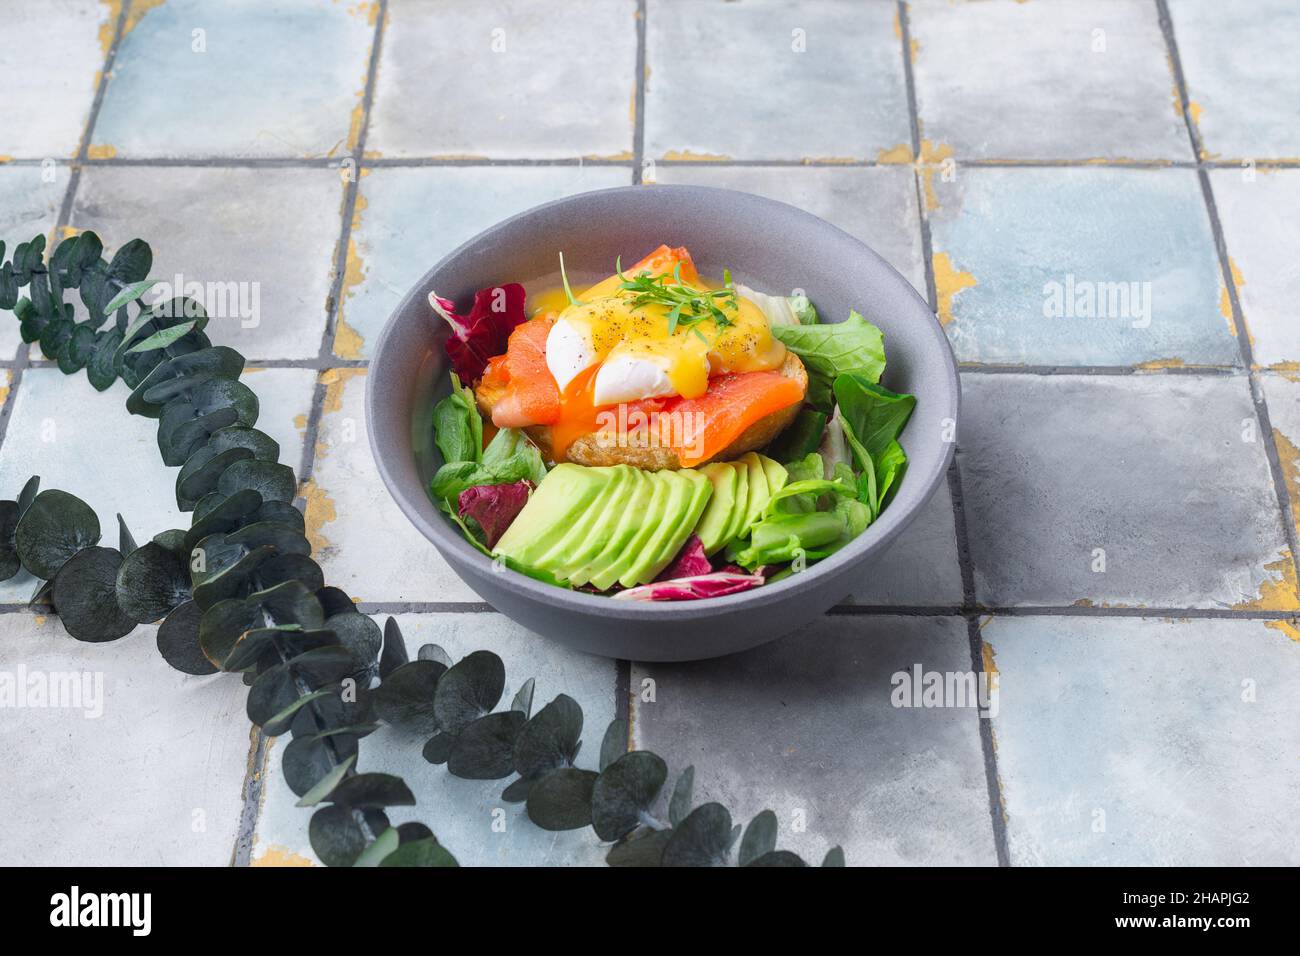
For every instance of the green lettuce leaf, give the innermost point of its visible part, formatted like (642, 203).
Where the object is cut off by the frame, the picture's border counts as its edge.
(458, 426)
(840, 348)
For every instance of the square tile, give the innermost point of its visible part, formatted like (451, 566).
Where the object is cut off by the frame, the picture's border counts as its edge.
(258, 242)
(876, 204)
(763, 79)
(30, 197)
(50, 62)
(528, 79)
(139, 765)
(407, 219)
(921, 568)
(1062, 80)
(463, 813)
(1181, 741)
(360, 538)
(1282, 392)
(84, 442)
(1241, 71)
(808, 727)
(246, 78)
(1260, 213)
(1086, 266)
(1138, 491)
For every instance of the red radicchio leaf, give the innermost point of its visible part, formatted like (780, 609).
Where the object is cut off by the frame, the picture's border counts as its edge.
(483, 333)
(690, 561)
(693, 588)
(494, 506)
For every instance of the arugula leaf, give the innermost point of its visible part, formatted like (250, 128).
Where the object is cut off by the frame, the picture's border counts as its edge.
(851, 346)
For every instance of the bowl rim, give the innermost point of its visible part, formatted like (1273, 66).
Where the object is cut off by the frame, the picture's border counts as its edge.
(451, 543)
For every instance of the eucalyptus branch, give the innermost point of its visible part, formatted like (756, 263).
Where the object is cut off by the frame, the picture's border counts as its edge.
(238, 591)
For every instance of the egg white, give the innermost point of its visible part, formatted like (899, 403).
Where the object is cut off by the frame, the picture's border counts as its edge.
(629, 378)
(568, 352)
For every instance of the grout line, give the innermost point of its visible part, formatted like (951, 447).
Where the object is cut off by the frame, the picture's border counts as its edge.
(250, 810)
(969, 598)
(638, 125)
(1276, 469)
(1215, 371)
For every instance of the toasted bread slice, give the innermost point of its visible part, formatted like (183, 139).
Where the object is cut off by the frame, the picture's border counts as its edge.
(642, 449)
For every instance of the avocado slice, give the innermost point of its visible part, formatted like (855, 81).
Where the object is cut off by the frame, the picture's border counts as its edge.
(759, 494)
(556, 559)
(561, 498)
(608, 512)
(644, 564)
(777, 476)
(628, 517)
(740, 507)
(700, 490)
(648, 523)
(717, 515)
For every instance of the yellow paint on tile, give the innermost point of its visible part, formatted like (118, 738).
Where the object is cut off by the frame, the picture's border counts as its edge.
(1288, 627)
(67, 232)
(281, 856)
(1225, 300)
(4, 389)
(137, 13)
(1281, 593)
(900, 155)
(1157, 364)
(40, 619)
(335, 380)
(1289, 456)
(948, 282)
(318, 511)
(933, 156)
(1288, 370)
(5, 158)
(347, 340)
(688, 156)
(1194, 110)
(300, 422)
(108, 26)
(623, 157)
(101, 151)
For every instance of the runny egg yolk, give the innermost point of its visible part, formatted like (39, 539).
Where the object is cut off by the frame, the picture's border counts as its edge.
(616, 329)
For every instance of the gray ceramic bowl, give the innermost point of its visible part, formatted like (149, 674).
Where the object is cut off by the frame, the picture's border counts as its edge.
(766, 244)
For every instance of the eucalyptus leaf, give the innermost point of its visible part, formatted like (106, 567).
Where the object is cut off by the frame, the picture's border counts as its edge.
(337, 836)
(643, 848)
(9, 562)
(484, 748)
(394, 653)
(523, 699)
(85, 595)
(324, 785)
(679, 805)
(309, 762)
(702, 839)
(614, 743)
(426, 852)
(273, 481)
(52, 530)
(178, 641)
(437, 749)
(777, 858)
(405, 698)
(151, 582)
(469, 690)
(625, 792)
(834, 857)
(759, 838)
(432, 652)
(550, 739)
(365, 790)
(129, 294)
(561, 799)
(383, 845)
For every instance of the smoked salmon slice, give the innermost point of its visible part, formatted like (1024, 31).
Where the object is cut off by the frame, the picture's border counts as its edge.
(706, 425)
(525, 390)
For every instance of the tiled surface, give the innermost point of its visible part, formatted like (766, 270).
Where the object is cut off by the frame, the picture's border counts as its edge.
(910, 790)
(484, 830)
(261, 241)
(361, 540)
(1058, 467)
(140, 766)
(1031, 265)
(1146, 742)
(528, 79)
(408, 219)
(1260, 210)
(1242, 75)
(877, 204)
(1009, 80)
(765, 79)
(49, 57)
(227, 161)
(246, 78)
